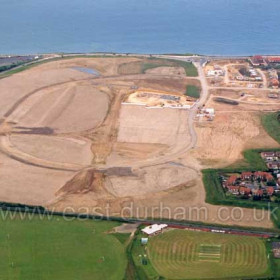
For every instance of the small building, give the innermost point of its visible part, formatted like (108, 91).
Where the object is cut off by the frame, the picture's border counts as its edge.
(268, 176)
(277, 154)
(274, 82)
(273, 95)
(276, 249)
(210, 111)
(231, 180)
(257, 192)
(144, 241)
(233, 189)
(270, 190)
(275, 165)
(239, 78)
(257, 60)
(273, 59)
(154, 229)
(215, 73)
(268, 155)
(245, 191)
(246, 175)
(263, 175)
(260, 193)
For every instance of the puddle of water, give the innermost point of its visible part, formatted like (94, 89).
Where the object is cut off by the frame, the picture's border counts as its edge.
(87, 70)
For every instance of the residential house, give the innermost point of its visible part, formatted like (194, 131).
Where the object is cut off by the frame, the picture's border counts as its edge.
(263, 175)
(274, 83)
(269, 156)
(233, 189)
(245, 191)
(273, 165)
(257, 60)
(246, 175)
(270, 190)
(257, 192)
(231, 180)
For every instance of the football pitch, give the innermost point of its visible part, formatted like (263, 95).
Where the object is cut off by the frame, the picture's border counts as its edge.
(54, 248)
(182, 254)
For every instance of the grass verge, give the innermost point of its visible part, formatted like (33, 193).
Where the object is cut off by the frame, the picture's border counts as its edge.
(151, 63)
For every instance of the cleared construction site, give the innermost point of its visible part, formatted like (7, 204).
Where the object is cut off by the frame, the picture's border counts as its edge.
(91, 132)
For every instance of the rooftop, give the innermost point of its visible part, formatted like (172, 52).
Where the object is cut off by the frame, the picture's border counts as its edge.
(154, 228)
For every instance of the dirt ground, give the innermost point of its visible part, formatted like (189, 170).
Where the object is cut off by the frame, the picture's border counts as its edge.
(125, 153)
(64, 108)
(222, 141)
(256, 96)
(167, 71)
(24, 183)
(55, 148)
(139, 124)
(68, 141)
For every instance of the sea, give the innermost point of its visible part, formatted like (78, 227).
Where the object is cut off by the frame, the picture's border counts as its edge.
(212, 27)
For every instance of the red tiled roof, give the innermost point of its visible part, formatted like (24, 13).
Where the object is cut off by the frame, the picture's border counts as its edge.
(273, 59)
(275, 82)
(231, 179)
(260, 192)
(268, 154)
(259, 173)
(270, 190)
(245, 190)
(257, 59)
(268, 176)
(233, 188)
(262, 174)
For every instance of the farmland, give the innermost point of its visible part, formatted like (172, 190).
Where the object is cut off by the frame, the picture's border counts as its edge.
(181, 254)
(49, 247)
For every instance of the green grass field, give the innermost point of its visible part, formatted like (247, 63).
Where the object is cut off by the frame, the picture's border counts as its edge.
(151, 63)
(181, 254)
(271, 125)
(59, 249)
(192, 91)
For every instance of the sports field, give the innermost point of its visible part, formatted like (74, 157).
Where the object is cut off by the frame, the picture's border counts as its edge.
(181, 254)
(58, 249)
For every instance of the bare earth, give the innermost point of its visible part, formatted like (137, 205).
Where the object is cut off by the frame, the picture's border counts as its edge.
(68, 141)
